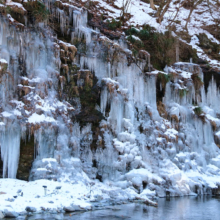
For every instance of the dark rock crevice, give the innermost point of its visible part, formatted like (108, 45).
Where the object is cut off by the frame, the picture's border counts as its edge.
(26, 158)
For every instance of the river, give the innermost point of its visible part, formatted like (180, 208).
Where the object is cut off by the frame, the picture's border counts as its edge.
(179, 208)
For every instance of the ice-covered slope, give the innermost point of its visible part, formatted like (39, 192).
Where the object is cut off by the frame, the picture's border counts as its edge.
(203, 20)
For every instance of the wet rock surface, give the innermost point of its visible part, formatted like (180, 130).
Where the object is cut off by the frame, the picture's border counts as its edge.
(10, 214)
(72, 208)
(30, 209)
(1, 215)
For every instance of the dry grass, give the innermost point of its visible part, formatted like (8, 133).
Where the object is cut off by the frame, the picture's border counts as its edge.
(173, 76)
(161, 108)
(197, 81)
(203, 118)
(213, 124)
(89, 79)
(175, 121)
(65, 68)
(174, 118)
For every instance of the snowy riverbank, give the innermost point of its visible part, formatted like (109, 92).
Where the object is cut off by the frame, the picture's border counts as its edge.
(72, 196)
(22, 198)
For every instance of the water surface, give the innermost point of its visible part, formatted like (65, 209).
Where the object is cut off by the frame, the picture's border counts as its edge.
(179, 208)
(184, 208)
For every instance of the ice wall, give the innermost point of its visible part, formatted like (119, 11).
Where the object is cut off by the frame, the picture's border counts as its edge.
(174, 154)
(142, 143)
(31, 76)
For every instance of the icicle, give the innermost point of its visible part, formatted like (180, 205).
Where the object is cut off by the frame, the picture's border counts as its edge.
(10, 149)
(104, 100)
(45, 142)
(116, 113)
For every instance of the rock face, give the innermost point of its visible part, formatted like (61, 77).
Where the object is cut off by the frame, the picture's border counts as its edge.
(26, 159)
(3, 66)
(93, 108)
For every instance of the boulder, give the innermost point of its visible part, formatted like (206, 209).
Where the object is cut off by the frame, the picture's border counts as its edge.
(30, 209)
(10, 214)
(72, 208)
(23, 213)
(1, 215)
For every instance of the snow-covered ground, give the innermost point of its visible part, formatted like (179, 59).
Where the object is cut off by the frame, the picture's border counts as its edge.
(33, 195)
(203, 16)
(62, 196)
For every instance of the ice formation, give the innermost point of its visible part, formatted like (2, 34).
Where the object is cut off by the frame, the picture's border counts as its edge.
(137, 149)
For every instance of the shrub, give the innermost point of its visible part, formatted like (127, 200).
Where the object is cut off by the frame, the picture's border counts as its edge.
(132, 31)
(38, 10)
(137, 44)
(134, 52)
(213, 124)
(163, 78)
(197, 81)
(113, 24)
(182, 92)
(131, 39)
(161, 46)
(198, 110)
(144, 34)
(5, 10)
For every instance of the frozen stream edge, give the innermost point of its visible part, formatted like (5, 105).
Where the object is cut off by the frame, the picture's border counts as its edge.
(69, 198)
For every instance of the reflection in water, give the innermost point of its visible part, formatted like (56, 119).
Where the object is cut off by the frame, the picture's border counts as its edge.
(184, 208)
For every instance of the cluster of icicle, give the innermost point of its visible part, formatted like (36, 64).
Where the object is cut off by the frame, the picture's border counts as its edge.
(140, 147)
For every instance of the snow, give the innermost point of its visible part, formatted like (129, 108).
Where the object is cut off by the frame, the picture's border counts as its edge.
(211, 181)
(6, 114)
(10, 18)
(33, 194)
(148, 193)
(3, 61)
(19, 104)
(16, 112)
(79, 193)
(171, 133)
(49, 160)
(35, 118)
(218, 134)
(141, 14)
(138, 176)
(135, 37)
(157, 72)
(16, 4)
(211, 118)
(186, 75)
(174, 111)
